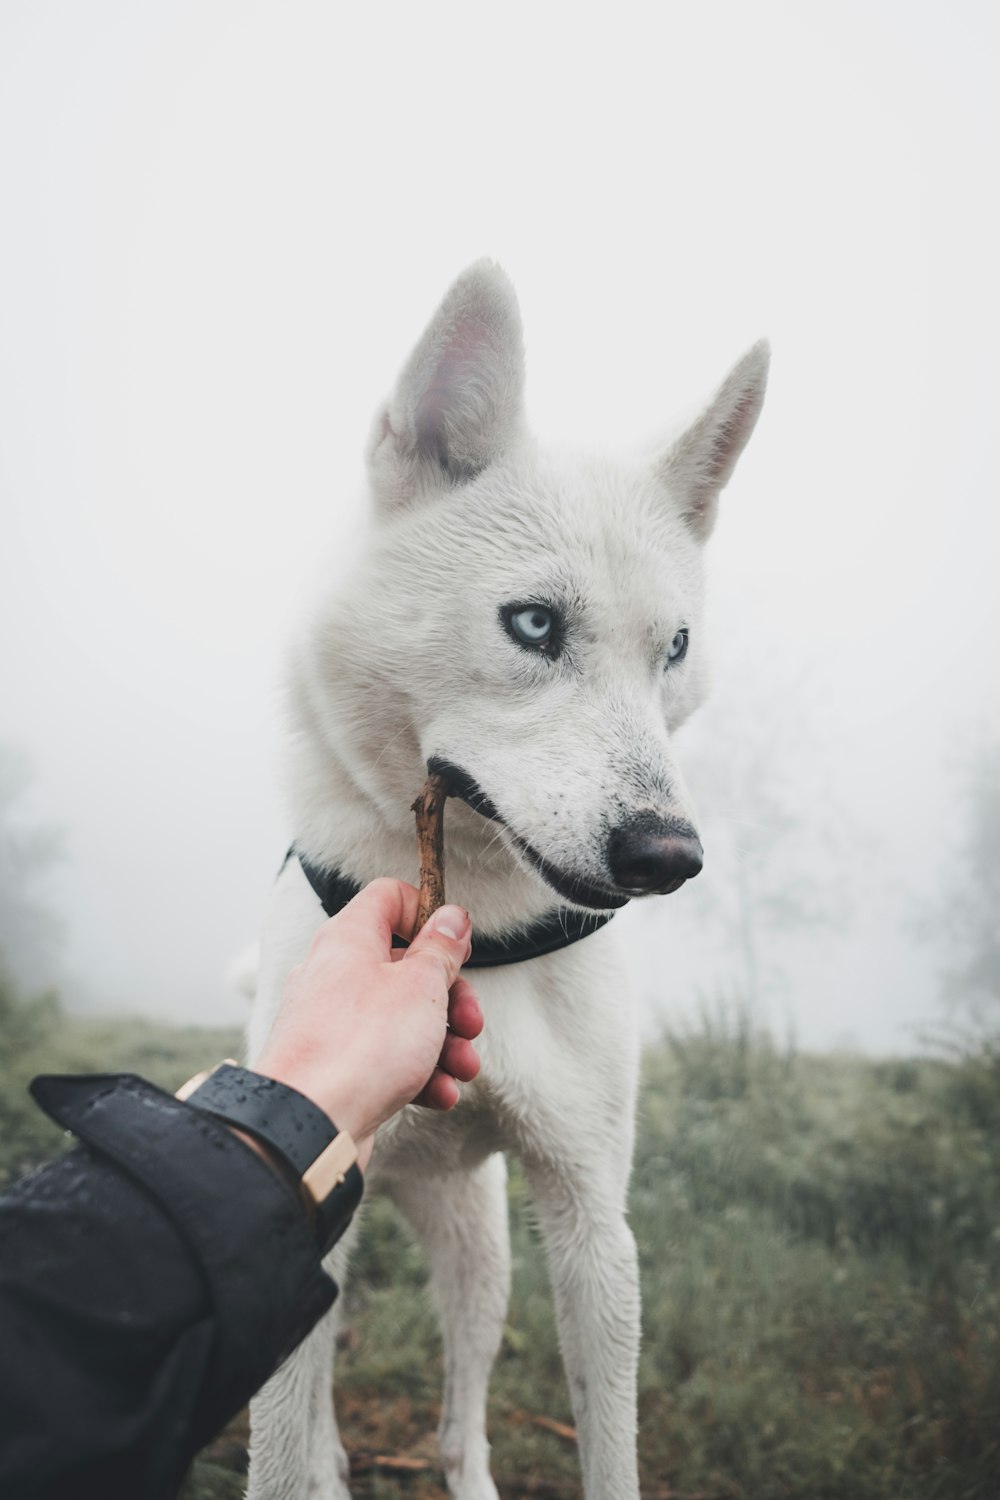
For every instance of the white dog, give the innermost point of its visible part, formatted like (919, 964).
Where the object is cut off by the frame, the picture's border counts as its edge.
(531, 624)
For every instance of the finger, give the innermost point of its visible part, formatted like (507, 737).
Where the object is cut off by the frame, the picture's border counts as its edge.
(439, 1092)
(459, 1058)
(375, 913)
(465, 1016)
(448, 937)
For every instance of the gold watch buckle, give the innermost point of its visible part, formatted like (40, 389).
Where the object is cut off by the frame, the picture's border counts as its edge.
(330, 1167)
(187, 1089)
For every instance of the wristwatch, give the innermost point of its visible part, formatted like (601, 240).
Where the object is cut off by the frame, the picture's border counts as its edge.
(321, 1160)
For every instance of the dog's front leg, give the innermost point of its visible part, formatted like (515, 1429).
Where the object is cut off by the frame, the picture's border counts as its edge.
(461, 1219)
(595, 1279)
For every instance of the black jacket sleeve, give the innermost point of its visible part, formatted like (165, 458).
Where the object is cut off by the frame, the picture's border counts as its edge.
(150, 1282)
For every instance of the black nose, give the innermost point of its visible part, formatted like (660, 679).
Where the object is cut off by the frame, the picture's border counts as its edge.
(650, 854)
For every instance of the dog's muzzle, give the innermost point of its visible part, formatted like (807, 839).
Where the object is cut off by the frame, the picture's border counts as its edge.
(646, 855)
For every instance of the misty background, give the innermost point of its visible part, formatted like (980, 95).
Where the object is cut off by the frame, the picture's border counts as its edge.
(225, 225)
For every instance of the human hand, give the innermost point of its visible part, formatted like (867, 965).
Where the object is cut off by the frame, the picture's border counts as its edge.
(364, 1028)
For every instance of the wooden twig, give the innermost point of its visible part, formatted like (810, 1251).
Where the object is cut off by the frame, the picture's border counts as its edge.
(548, 1424)
(429, 808)
(366, 1463)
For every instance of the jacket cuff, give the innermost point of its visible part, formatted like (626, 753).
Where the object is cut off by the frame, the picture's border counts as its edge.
(245, 1227)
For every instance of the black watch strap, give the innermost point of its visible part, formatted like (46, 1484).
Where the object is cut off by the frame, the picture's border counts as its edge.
(321, 1159)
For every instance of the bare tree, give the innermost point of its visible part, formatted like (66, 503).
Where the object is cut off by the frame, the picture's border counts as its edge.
(973, 908)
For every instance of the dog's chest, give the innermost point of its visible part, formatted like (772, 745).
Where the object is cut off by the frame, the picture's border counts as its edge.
(419, 1143)
(549, 1047)
(500, 1111)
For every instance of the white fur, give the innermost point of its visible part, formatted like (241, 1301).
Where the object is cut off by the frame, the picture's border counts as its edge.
(410, 661)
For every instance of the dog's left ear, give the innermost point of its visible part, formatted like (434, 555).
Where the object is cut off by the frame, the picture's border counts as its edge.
(699, 464)
(457, 406)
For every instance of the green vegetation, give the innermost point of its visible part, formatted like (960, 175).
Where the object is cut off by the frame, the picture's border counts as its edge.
(820, 1241)
(35, 1037)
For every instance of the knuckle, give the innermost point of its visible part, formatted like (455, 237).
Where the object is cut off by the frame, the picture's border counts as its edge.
(382, 888)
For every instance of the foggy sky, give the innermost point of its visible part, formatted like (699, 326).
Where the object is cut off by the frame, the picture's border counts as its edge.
(224, 227)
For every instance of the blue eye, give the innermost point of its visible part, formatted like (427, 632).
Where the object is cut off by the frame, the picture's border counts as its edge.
(678, 648)
(532, 625)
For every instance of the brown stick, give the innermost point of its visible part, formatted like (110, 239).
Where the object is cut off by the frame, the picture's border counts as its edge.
(429, 808)
(549, 1424)
(365, 1463)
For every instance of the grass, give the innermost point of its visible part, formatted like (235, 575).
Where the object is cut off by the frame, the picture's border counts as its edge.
(820, 1249)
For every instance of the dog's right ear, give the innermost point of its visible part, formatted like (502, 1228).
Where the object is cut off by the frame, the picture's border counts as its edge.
(458, 404)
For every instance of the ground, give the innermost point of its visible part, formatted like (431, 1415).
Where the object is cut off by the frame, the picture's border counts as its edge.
(820, 1248)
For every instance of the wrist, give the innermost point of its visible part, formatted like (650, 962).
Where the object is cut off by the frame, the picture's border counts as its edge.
(270, 1158)
(338, 1100)
(292, 1135)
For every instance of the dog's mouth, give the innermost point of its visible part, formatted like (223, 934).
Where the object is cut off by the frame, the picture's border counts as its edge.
(594, 896)
(571, 887)
(462, 786)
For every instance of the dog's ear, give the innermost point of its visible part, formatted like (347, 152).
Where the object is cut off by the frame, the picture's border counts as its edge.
(458, 403)
(699, 464)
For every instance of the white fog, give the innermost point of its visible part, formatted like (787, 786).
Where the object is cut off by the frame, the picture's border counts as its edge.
(225, 226)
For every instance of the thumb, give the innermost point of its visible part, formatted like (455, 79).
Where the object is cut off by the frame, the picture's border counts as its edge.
(448, 936)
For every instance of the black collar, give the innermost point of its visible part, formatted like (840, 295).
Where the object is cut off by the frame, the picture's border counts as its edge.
(557, 930)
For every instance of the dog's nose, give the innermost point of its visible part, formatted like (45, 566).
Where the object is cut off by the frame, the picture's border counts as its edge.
(653, 855)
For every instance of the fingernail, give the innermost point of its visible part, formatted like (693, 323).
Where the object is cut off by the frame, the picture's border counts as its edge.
(453, 922)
